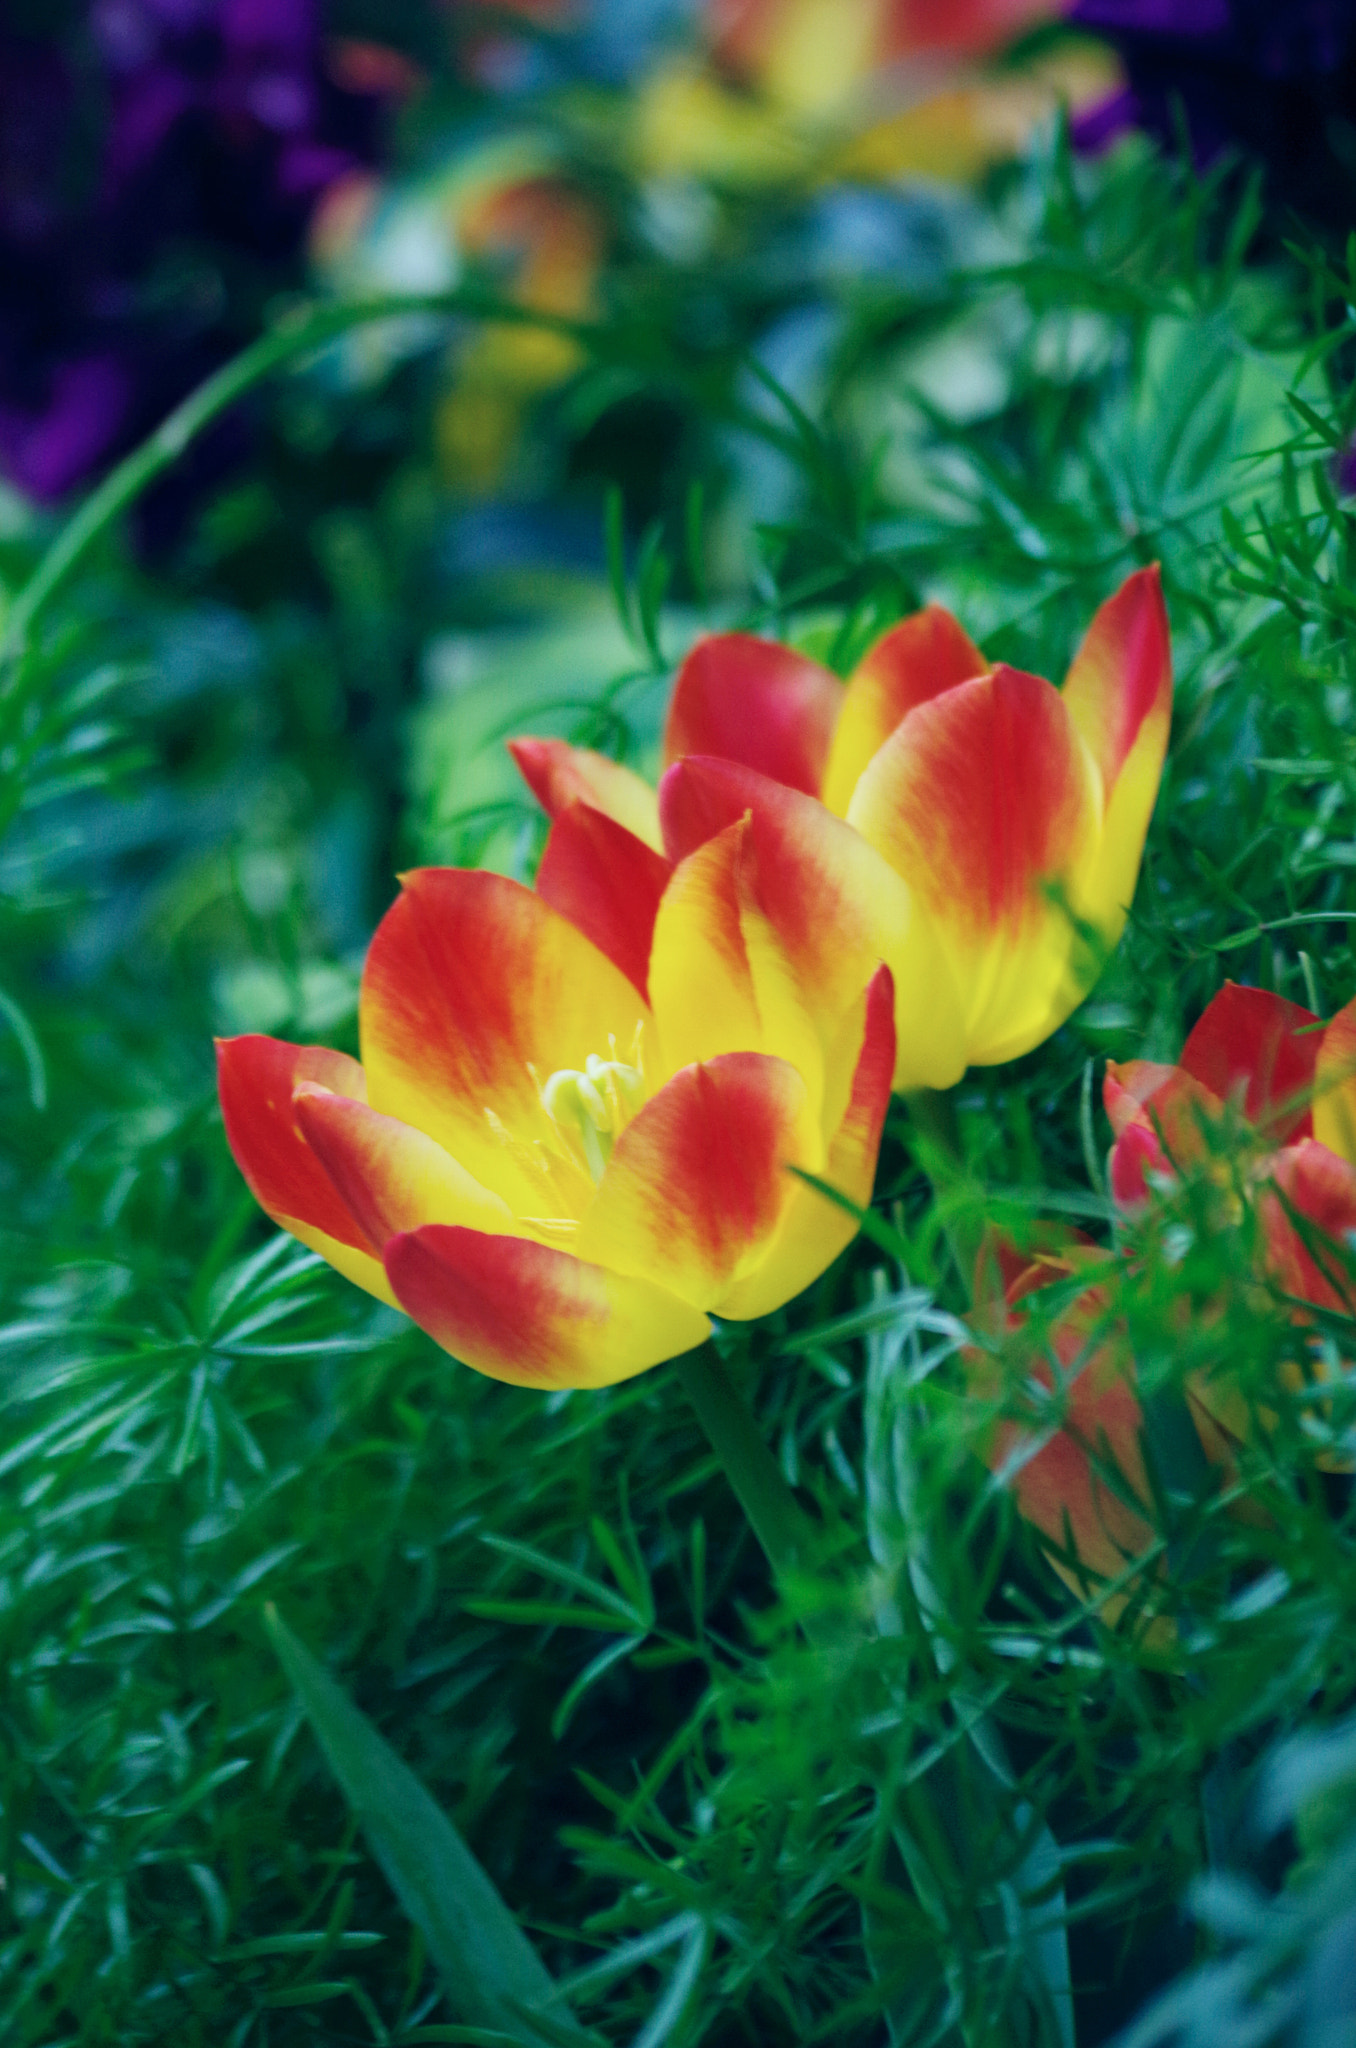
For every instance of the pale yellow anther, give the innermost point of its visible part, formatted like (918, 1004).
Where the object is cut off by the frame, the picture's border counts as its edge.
(592, 1106)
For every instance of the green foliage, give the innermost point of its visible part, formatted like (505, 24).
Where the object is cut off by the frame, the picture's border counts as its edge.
(718, 1819)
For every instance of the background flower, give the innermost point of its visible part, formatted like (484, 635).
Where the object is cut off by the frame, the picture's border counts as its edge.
(1074, 1461)
(869, 90)
(506, 211)
(1256, 1119)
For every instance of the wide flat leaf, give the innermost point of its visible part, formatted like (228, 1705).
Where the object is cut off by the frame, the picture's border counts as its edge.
(494, 1977)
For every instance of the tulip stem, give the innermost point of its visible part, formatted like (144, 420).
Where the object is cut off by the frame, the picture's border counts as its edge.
(774, 1514)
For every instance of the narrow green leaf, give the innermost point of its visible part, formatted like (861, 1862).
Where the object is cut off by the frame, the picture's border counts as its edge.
(564, 1575)
(653, 574)
(548, 1614)
(494, 1977)
(29, 1047)
(306, 1994)
(593, 1671)
(614, 538)
(696, 538)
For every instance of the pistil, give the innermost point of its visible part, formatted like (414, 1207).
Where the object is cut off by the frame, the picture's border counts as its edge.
(591, 1106)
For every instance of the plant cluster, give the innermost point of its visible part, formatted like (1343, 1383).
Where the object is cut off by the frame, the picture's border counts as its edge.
(316, 1647)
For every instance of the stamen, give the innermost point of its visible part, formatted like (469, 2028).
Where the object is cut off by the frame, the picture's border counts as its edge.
(591, 1106)
(557, 1168)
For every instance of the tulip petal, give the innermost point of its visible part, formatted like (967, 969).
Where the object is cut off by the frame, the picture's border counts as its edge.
(1335, 1086)
(699, 1016)
(917, 659)
(1118, 693)
(1136, 1154)
(743, 699)
(390, 1176)
(1129, 1086)
(985, 801)
(607, 882)
(558, 774)
(697, 1185)
(256, 1077)
(532, 1315)
(1007, 1272)
(815, 1230)
(720, 980)
(1320, 1187)
(1059, 1488)
(1122, 673)
(837, 909)
(473, 986)
(1066, 1487)
(1160, 1115)
(1258, 1049)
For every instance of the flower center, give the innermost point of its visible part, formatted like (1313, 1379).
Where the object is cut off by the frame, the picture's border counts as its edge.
(591, 1107)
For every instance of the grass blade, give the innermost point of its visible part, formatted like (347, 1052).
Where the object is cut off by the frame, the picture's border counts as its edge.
(494, 1977)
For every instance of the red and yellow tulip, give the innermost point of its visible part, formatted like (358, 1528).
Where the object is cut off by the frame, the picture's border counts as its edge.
(862, 89)
(1261, 1085)
(570, 1136)
(973, 826)
(1289, 1084)
(812, 54)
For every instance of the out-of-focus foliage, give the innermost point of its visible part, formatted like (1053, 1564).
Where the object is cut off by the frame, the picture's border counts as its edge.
(815, 408)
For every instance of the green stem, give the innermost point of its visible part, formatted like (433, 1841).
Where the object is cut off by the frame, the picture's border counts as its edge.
(299, 335)
(774, 1514)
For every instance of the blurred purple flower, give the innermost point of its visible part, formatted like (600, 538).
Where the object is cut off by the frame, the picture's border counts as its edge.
(45, 450)
(1156, 17)
(159, 160)
(1275, 76)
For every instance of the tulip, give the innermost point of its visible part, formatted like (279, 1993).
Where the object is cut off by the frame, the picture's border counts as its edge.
(1288, 1083)
(1077, 1469)
(810, 54)
(859, 89)
(981, 118)
(975, 827)
(565, 1148)
(1263, 1105)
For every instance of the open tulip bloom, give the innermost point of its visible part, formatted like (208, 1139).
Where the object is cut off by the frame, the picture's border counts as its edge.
(973, 826)
(563, 1147)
